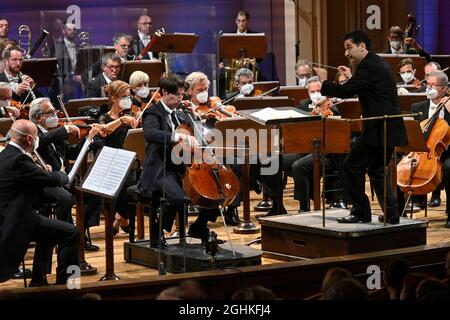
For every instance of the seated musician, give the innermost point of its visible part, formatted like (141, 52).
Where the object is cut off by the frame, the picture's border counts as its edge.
(304, 70)
(160, 174)
(430, 67)
(21, 84)
(437, 86)
(198, 85)
(139, 86)
(341, 77)
(398, 44)
(20, 181)
(143, 37)
(117, 124)
(122, 45)
(111, 64)
(243, 81)
(407, 70)
(5, 97)
(5, 44)
(4, 28)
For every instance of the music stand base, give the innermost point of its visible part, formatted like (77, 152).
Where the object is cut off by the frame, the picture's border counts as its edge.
(87, 270)
(246, 228)
(107, 277)
(264, 206)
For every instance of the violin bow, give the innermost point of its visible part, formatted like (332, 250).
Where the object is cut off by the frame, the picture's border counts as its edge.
(148, 104)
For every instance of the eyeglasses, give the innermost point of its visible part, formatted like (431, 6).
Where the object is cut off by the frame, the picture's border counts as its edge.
(113, 67)
(434, 86)
(146, 23)
(125, 46)
(49, 112)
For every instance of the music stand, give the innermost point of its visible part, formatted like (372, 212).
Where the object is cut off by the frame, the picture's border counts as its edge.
(175, 43)
(265, 86)
(73, 105)
(152, 68)
(87, 56)
(42, 70)
(262, 102)
(248, 45)
(5, 125)
(408, 99)
(294, 92)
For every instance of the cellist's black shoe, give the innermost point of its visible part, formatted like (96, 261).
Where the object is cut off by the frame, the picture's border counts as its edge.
(390, 220)
(435, 201)
(351, 218)
(159, 243)
(447, 224)
(231, 216)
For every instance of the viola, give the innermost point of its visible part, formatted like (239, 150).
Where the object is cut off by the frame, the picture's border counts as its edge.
(420, 173)
(213, 108)
(323, 109)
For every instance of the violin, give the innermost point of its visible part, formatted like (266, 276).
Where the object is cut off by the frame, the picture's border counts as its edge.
(420, 173)
(137, 109)
(208, 184)
(24, 108)
(324, 108)
(215, 109)
(83, 126)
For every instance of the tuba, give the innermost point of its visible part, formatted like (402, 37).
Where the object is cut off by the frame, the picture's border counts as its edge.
(24, 39)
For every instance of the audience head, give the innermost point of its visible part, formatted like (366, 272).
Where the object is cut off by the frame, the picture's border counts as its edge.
(254, 293)
(346, 289)
(410, 284)
(191, 290)
(332, 276)
(394, 273)
(428, 286)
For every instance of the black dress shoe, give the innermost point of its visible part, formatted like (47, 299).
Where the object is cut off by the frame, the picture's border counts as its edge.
(274, 212)
(38, 283)
(340, 204)
(19, 274)
(390, 220)
(447, 224)
(434, 202)
(354, 219)
(231, 216)
(88, 246)
(198, 232)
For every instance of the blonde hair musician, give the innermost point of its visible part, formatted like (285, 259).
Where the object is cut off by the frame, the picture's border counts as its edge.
(141, 92)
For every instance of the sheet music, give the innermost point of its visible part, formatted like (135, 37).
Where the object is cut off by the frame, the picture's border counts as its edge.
(109, 171)
(272, 114)
(79, 160)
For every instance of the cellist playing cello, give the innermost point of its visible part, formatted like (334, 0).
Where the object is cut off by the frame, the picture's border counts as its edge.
(437, 87)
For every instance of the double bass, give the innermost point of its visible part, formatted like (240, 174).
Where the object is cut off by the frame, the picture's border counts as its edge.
(420, 173)
(208, 185)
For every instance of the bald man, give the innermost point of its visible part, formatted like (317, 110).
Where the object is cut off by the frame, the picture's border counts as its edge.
(21, 183)
(142, 38)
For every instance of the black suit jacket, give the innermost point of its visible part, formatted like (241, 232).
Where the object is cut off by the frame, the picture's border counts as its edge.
(52, 154)
(158, 136)
(63, 58)
(137, 46)
(95, 86)
(21, 181)
(23, 96)
(97, 69)
(375, 87)
(304, 105)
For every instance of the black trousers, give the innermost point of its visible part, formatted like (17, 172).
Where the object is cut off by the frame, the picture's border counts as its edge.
(48, 233)
(363, 159)
(64, 201)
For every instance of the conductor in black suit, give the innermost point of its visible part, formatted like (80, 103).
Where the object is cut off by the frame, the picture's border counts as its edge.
(143, 37)
(437, 86)
(21, 181)
(375, 87)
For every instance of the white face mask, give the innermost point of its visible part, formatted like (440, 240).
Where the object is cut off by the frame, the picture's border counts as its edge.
(316, 97)
(143, 92)
(246, 89)
(395, 45)
(202, 97)
(302, 82)
(36, 143)
(407, 77)
(125, 103)
(432, 93)
(51, 122)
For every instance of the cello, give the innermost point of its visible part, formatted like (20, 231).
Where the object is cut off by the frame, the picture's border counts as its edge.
(208, 185)
(420, 173)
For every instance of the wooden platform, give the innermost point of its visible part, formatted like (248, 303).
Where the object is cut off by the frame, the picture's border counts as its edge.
(303, 235)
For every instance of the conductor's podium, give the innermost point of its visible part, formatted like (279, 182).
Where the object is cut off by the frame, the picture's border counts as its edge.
(287, 237)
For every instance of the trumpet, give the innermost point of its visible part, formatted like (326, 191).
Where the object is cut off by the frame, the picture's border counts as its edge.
(25, 34)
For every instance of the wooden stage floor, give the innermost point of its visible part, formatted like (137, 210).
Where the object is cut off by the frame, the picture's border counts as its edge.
(436, 233)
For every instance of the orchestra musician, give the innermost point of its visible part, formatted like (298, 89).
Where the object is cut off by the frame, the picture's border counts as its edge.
(243, 81)
(398, 44)
(375, 87)
(141, 91)
(437, 86)
(5, 97)
(160, 174)
(65, 51)
(20, 181)
(4, 28)
(304, 70)
(4, 44)
(142, 38)
(407, 70)
(122, 45)
(111, 64)
(21, 84)
(116, 125)
(341, 77)
(430, 67)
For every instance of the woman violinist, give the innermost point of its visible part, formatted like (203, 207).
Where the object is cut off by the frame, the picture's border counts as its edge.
(141, 92)
(116, 126)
